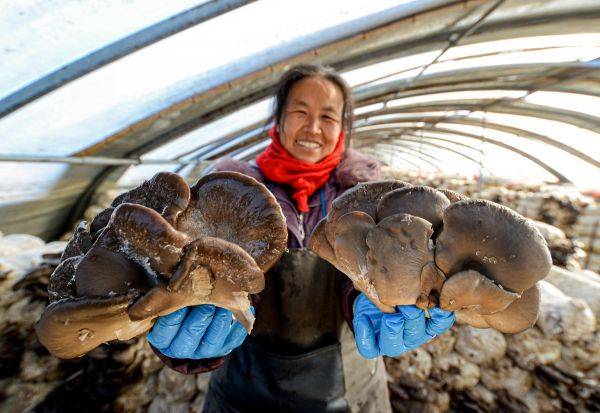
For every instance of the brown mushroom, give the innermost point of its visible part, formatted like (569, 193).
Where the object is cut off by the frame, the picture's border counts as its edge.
(364, 197)
(212, 271)
(167, 193)
(479, 264)
(79, 244)
(453, 196)
(319, 244)
(471, 290)
(351, 249)
(145, 236)
(472, 318)
(493, 240)
(400, 250)
(141, 266)
(419, 201)
(519, 315)
(62, 281)
(493, 256)
(72, 327)
(103, 272)
(241, 211)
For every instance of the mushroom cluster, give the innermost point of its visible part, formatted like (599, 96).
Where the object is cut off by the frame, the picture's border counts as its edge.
(160, 247)
(402, 244)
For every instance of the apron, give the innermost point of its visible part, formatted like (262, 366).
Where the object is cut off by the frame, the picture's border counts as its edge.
(301, 355)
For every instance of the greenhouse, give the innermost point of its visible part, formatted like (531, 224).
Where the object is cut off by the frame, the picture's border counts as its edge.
(494, 100)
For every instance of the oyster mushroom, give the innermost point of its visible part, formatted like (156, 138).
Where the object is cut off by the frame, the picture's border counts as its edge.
(379, 257)
(143, 265)
(420, 201)
(471, 290)
(363, 197)
(212, 271)
(453, 196)
(241, 211)
(424, 246)
(399, 251)
(493, 256)
(79, 244)
(166, 192)
(71, 327)
(519, 315)
(493, 240)
(62, 281)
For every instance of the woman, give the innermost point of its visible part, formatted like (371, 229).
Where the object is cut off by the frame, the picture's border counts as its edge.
(316, 342)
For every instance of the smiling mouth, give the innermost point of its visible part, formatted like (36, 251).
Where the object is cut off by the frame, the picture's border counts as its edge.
(308, 144)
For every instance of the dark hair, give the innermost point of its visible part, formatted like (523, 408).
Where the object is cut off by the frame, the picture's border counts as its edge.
(299, 72)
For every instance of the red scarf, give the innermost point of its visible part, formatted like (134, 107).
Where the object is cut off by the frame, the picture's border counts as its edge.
(304, 178)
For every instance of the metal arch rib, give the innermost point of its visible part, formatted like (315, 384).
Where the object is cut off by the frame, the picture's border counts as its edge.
(496, 142)
(395, 140)
(510, 77)
(411, 152)
(524, 133)
(116, 50)
(506, 106)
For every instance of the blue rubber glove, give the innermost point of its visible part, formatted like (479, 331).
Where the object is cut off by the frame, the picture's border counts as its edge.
(197, 332)
(380, 334)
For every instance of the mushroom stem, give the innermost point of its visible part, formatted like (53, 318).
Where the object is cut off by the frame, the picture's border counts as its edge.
(246, 318)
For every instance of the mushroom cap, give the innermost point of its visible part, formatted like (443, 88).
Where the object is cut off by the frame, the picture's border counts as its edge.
(62, 281)
(419, 201)
(144, 235)
(241, 210)
(472, 318)
(518, 316)
(453, 196)
(224, 260)
(495, 241)
(319, 244)
(363, 197)
(122, 284)
(167, 193)
(79, 244)
(213, 271)
(472, 290)
(350, 244)
(103, 272)
(71, 327)
(399, 248)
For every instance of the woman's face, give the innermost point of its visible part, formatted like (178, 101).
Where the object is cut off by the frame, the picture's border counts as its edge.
(312, 119)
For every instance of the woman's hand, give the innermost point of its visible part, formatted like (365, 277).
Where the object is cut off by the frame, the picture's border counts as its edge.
(197, 332)
(381, 334)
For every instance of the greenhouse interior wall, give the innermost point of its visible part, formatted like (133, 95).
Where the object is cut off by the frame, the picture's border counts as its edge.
(494, 99)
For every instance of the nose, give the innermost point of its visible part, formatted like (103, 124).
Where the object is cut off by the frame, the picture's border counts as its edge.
(313, 125)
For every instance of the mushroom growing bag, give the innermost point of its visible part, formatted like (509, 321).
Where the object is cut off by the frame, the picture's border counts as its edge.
(402, 244)
(160, 247)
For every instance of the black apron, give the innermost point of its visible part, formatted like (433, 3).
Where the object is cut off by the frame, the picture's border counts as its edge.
(301, 355)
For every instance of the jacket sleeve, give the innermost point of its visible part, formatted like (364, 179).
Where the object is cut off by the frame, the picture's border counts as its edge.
(348, 295)
(195, 366)
(189, 366)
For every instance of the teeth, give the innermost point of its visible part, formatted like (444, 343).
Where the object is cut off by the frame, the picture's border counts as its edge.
(309, 144)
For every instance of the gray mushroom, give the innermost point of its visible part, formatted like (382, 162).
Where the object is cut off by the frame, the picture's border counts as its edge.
(143, 265)
(429, 247)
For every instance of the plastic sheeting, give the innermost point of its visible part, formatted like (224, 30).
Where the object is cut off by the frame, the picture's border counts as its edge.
(427, 82)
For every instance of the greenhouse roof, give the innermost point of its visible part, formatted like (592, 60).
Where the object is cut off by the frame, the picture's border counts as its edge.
(96, 93)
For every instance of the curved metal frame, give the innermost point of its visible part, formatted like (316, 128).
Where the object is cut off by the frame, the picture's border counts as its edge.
(430, 25)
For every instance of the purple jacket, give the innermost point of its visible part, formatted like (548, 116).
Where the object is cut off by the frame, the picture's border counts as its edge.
(353, 169)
